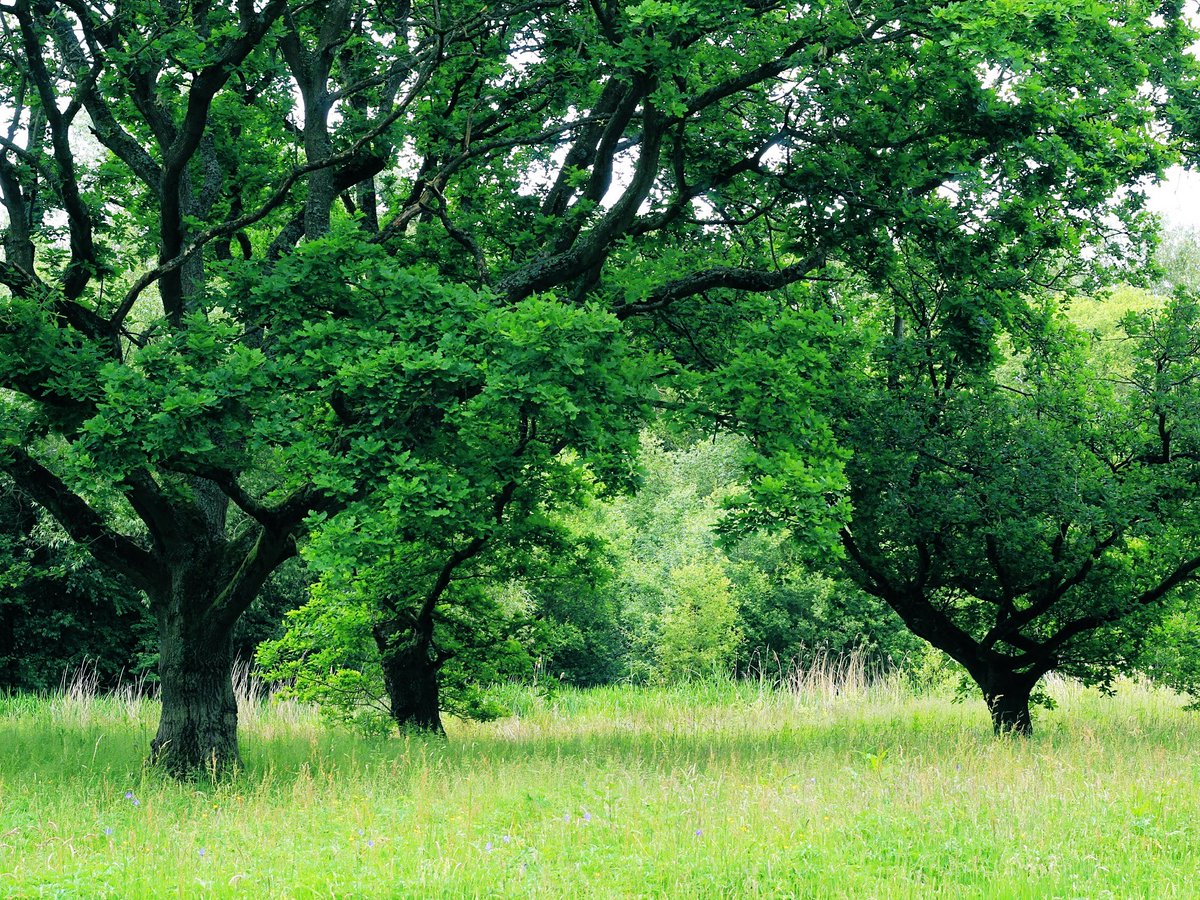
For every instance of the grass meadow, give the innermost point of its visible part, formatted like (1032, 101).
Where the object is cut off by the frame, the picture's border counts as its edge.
(831, 788)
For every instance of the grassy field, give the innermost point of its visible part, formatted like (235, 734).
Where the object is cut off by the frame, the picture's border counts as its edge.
(711, 791)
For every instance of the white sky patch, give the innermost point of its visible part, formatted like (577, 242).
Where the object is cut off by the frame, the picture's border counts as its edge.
(1177, 199)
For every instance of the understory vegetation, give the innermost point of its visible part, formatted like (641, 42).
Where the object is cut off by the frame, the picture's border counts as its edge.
(832, 785)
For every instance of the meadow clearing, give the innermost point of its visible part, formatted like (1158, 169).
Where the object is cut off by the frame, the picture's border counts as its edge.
(832, 788)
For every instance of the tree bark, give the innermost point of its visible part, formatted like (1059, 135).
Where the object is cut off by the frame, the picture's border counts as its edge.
(410, 675)
(1008, 702)
(198, 728)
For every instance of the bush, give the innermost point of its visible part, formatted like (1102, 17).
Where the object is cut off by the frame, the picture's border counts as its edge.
(698, 634)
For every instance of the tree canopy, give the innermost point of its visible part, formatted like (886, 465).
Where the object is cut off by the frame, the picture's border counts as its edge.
(1031, 516)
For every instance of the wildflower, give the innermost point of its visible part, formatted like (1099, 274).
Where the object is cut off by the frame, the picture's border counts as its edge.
(370, 843)
(507, 839)
(202, 851)
(488, 846)
(107, 832)
(566, 817)
(699, 831)
(129, 795)
(587, 816)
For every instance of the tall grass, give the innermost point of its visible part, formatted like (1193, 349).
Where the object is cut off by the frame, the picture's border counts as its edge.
(834, 783)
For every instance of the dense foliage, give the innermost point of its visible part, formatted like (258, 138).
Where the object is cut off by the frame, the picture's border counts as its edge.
(685, 603)
(1031, 516)
(59, 611)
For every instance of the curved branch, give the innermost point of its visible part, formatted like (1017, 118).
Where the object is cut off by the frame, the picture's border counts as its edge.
(225, 229)
(732, 277)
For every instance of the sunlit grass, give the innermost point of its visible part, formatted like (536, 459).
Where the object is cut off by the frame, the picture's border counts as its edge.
(711, 790)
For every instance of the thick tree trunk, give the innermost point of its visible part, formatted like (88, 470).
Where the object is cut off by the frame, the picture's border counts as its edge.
(1008, 702)
(410, 675)
(198, 728)
(1010, 714)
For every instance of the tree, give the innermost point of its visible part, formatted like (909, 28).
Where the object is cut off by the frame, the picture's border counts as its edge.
(510, 149)
(1031, 516)
(1179, 258)
(699, 626)
(1169, 653)
(486, 624)
(462, 509)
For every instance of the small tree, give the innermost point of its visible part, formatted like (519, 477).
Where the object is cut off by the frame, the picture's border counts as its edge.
(699, 635)
(467, 410)
(1169, 652)
(1033, 517)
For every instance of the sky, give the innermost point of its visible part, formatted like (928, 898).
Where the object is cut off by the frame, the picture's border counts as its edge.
(1177, 199)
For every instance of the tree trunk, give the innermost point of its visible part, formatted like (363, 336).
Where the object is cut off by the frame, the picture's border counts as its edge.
(198, 728)
(410, 675)
(1008, 702)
